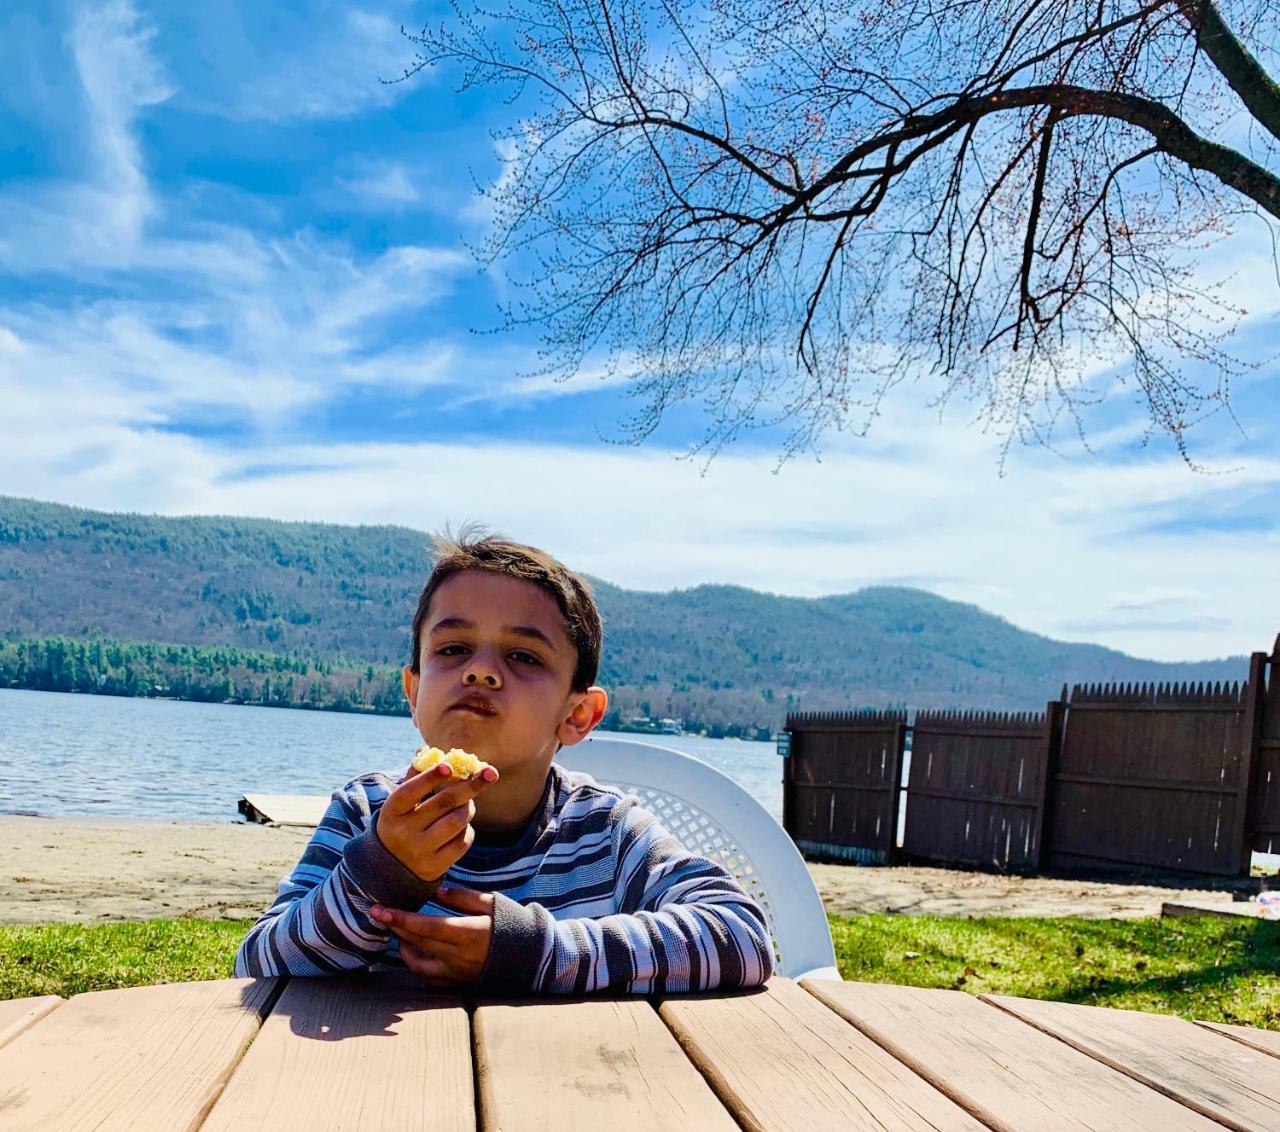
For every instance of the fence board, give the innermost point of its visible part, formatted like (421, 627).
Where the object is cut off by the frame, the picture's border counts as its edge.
(976, 788)
(1264, 816)
(1122, 749)
(841, 783)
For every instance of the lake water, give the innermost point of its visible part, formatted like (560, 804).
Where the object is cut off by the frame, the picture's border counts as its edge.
(63, 754)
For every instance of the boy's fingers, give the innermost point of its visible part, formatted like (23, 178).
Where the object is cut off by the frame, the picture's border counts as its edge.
(405, 797)
(466, 900)
(427, 967)
(432, 931)
(435, 806)
(399, 920)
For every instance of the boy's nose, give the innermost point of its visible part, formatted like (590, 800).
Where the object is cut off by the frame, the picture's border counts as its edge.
(488, 678)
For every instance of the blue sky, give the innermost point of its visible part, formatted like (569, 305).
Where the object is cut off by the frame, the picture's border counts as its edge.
(234, 278)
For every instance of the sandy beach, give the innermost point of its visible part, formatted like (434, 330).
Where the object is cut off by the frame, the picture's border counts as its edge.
(93, 871)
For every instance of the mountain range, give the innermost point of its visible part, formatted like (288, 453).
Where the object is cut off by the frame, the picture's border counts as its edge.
(715, 655)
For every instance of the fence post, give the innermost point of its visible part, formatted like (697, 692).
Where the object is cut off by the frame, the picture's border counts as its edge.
(1252, 728)
(792, 724)
(1055, 714)
(900, 744)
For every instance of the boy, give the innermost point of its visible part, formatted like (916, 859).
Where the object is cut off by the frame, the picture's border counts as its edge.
(555, 884)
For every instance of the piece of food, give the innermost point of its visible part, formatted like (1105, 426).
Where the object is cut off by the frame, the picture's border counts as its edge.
(463, 763)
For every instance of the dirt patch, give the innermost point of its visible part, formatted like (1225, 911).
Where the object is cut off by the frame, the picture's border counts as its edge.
(94, 871)
(853, 890)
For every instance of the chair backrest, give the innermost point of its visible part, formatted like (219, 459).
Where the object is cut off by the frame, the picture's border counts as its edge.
(711, 814)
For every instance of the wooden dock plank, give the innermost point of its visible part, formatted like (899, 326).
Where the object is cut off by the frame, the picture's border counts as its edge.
(781, 1061)
(588, 1065)
(284, 809)
(1236, 910)
(19, 1014)
(1266, 1040)
(1236, 1085)
(130, 1060)
(1005, 1072)
(409, 1049)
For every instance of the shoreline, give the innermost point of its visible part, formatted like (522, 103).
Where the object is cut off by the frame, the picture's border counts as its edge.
(90, 870)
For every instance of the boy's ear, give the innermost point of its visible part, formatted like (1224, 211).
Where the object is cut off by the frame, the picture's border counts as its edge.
(410, 680)
(588, 710)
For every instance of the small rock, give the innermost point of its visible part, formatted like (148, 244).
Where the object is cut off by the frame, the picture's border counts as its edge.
(911, 955)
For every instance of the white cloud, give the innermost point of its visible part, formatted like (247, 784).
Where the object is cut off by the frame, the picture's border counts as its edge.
(99, 219)
(388, 185)
(1056, 546)
(341, 71)
(111, 48)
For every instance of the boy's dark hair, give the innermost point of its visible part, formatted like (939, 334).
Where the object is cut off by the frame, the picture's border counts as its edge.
(475, 549)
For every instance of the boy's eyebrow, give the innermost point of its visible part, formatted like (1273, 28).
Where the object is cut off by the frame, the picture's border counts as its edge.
(528, 631)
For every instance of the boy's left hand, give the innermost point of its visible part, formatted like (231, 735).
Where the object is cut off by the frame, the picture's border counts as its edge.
(444, 951)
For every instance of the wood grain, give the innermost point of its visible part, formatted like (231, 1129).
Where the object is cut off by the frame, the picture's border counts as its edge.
(360, 1051)
(1005, 1072)
(19, 1014)
(781, 1061)
(598, 1064)
(1266, 1040)
(136, 1059)
(1236, 1085)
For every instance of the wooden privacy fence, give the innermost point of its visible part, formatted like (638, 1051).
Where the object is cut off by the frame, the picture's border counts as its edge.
(976, 787)
(1152, 775)
(1264, 798)
(1166, 777)
(840, 786)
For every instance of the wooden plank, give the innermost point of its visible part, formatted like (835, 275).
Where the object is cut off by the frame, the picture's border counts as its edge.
(147, 1057)
(360, 1051)
(1006, 1073)
(588, 1065)
(284, 809)
(19, 1014)
(1236, 910)
(781, 1061)
(1238, 1086)
(1266, 1040)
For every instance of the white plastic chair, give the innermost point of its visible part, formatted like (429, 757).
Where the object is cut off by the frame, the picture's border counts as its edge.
(711, 814)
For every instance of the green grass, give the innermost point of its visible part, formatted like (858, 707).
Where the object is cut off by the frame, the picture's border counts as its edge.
(67, 959)
(1208, 968)
(1218, 970)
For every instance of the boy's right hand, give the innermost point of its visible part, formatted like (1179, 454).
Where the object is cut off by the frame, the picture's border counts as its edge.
(426, 821)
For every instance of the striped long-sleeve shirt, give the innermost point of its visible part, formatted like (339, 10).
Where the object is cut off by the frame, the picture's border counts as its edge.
(596, 895)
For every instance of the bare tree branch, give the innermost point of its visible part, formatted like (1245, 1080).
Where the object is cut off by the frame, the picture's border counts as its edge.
(777, 210)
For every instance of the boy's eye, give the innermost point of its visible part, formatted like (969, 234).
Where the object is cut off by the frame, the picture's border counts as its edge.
(451, 650)
(525, 658)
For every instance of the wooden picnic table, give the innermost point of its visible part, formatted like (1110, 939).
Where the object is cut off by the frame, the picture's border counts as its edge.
(379, 1052)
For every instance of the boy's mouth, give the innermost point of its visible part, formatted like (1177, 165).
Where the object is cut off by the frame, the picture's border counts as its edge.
(480, 705)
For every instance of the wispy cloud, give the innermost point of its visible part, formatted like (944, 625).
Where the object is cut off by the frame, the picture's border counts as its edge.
(119, 76)
(329, 71)
(388, 184)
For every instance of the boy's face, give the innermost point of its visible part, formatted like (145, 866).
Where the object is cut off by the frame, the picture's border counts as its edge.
(496, 667)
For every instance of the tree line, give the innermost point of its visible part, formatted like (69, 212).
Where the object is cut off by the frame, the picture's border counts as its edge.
(227, 674)
(207, 674)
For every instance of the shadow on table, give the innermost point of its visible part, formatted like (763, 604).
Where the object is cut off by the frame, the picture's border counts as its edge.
(371, 1003)
(359, 1004)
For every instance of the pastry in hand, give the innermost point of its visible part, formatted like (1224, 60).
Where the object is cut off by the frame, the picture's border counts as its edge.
(463, 763)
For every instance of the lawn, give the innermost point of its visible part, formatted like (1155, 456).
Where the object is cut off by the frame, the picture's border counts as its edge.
(1209, 968)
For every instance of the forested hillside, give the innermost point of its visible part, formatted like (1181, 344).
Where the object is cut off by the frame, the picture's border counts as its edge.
(254, 600)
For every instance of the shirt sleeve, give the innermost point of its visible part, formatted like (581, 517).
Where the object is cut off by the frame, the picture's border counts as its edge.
(319, 923)
(683, 924)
